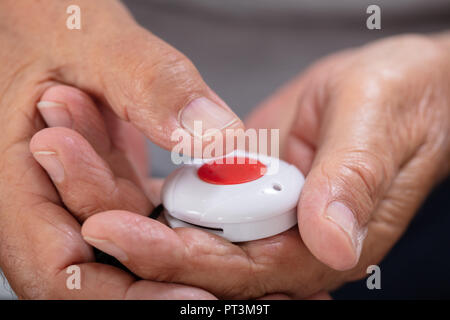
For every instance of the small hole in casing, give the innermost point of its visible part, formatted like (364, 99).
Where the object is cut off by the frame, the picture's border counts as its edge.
(277, 187)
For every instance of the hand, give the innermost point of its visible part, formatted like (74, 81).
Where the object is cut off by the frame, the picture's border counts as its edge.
(92, 174)
(135, 77)
(372, 135)
(370, 127)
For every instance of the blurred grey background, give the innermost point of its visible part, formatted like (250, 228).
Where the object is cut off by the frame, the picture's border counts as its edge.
(246, 49)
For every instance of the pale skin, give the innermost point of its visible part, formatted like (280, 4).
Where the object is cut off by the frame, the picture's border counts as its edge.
(369, 127)
(281, 264)
(37, 52)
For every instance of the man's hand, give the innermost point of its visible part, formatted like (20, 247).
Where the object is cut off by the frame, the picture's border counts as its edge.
(369, 127)
(134, 76)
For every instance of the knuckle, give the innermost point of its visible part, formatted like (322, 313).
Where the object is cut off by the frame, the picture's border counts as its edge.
(170, 71)
(360, 177)
(375, 76)
(84, 211)
(252, 285)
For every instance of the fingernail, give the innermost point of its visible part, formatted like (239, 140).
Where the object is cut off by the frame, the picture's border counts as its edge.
(49, 161)
(108, 247)
(344, 218)
(208, 113)
(55, 114)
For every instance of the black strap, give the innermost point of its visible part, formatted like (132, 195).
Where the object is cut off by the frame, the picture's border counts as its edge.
(156, 212)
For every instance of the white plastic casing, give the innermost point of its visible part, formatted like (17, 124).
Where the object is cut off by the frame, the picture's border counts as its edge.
(247, 211)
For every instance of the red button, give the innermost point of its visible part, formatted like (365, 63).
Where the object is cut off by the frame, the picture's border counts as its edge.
(240, 170)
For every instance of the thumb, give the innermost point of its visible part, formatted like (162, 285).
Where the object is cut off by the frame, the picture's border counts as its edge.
(358, 157)
(153, 86)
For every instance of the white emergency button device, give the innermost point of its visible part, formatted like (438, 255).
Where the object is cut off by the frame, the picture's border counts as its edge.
(240, 197)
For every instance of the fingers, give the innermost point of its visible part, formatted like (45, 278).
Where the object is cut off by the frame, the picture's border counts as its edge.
(114, 140)
(30, 259)
(130, 141)
(104, 282)
(38, 238)
(69, 107)
(84, 180)
(36, 263)
(153, 189)
(136, 241)
(59, 245)
(65, 106)
(358, 156)
(153, 251)
(159, 90)
(279, 112)
(152, 290)
(295, 110)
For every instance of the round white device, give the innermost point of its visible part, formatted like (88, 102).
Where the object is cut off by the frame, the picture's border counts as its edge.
(240, 201)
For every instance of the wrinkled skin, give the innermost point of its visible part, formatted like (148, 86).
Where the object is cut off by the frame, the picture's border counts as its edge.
(40, 229)
(369, 127)
(149, 87)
